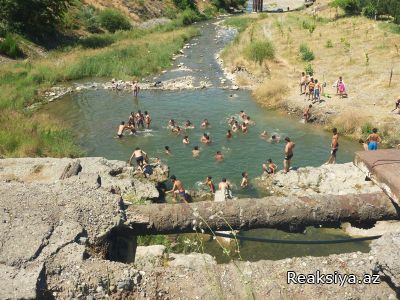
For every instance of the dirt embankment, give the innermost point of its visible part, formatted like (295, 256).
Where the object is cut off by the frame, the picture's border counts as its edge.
(363, 51)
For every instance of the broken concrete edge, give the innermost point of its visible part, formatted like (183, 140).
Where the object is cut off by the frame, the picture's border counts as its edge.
(382, 181)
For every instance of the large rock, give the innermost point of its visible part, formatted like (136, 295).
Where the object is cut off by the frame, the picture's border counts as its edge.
(339, 179)
(385, 254)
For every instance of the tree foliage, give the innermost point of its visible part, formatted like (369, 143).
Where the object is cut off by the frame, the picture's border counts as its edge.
(32, 16)
(113, 20)
(370, 8)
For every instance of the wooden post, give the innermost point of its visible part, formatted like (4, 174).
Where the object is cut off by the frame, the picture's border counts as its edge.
(391, 76)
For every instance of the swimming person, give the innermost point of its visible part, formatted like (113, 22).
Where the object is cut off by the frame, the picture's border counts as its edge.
(186, 140)
(288, 155)
(147, 119)
(242, 115)
(219, 156)
(225, 187)
(205, 139)
(275, 139)
(245, 180)
(139, 156)
(121, 129)
(210, 184)
(334, 147)
(264, 134)
(244, 128)
(178, 188)
(235, 126)
(373, 139)
(177, 130)
(228, 134)
(171, 123)
(195, 151)
(189, 125)
(205, 123)
(167, 151)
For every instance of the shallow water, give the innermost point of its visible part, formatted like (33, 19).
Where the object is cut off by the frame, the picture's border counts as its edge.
(253, 251)
(95, 114)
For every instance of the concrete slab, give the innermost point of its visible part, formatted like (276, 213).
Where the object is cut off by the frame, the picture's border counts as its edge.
(383, 167)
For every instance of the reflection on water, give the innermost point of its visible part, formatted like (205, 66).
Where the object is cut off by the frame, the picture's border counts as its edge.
(253, 251)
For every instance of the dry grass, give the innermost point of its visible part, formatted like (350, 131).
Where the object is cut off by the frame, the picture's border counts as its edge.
(271, 93)
(362, 51)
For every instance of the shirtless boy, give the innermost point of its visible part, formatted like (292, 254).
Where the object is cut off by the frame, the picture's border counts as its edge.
(186, 140)
(205, 124)
(288, 155)
(167, 150)
(225, 187)
(269, 168)
(121, 128)
(334, 147)
(147, 119)
(195, 151)
(139, 156)
(245, 180)
(307, 113)
(228, 134)
(135, 88)
(303, 83)
(219, 156)
(373, 139)
(177, 188)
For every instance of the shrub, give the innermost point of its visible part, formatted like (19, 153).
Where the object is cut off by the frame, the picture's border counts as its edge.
(350, 7)
(258, 51)
(305, 53)
(96, 41)
(329, 44)
(189, 16)
(9, 47)
(89, 19)
(309, 69)
(369, 11)
(113, 20)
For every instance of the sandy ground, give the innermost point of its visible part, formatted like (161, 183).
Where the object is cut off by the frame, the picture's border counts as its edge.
(363, 51)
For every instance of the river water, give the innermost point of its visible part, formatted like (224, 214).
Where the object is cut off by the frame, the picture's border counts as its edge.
(95, 114)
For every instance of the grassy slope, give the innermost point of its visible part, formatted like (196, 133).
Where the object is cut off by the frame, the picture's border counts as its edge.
(132, 55)
(370, 97)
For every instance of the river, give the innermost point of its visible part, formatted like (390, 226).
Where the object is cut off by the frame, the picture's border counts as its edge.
(95, 114)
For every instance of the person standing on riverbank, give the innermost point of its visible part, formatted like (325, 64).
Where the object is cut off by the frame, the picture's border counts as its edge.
(373, 139)
(178, 189)
(334, 147)
(303, 83)
(307, 113)
(288, 154)
(210, 184)
(136, 88)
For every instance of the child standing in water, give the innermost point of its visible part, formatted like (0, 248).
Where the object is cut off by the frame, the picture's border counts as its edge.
(147, 119)
(210, 184)
(245, 180)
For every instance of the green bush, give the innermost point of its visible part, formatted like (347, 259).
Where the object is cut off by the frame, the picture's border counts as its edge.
(258, 51)
(305, 53)
(96, 41)
(89, 19)
(350, 7)
(329, 44)
(9, 47)
(189, 16)
(309, 69)
(113, 20)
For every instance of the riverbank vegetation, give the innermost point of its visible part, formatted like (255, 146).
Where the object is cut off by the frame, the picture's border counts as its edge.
(364, 51)
(87, 41)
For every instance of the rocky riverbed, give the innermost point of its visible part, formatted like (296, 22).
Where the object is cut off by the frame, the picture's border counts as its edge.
(63, 235)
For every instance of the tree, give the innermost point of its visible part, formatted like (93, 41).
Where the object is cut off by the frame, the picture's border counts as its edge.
(351, 7)
(36, 17)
